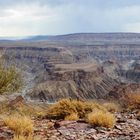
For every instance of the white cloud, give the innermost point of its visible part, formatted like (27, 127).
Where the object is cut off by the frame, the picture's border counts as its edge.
(60, 17)
(132, 27)
(21, 21)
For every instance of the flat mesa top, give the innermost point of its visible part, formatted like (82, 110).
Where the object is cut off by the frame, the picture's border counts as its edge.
(77, 66)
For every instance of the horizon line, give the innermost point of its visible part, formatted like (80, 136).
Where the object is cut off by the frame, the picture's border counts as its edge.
(34, 35)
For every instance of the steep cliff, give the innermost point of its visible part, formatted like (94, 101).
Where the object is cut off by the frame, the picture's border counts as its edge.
(79, 81)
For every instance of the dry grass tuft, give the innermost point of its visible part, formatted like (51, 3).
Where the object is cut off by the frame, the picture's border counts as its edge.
(99, 118)
(72, 117)
(66, 107)
(10, 79)
(31, 110)
(4, 107)
(132, 100)
(61, 109)
(111, 107)
(21, 125)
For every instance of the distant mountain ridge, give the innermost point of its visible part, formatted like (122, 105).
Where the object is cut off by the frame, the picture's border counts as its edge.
(89, 38)
(77, 36)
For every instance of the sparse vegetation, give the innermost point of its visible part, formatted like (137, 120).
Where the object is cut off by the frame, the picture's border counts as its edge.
(100, 118)
(66, 107)
(10, 79)
(72, 117)
(132, 100)
(111, 106)
(21, 125)
(3, 107)
(31, 111)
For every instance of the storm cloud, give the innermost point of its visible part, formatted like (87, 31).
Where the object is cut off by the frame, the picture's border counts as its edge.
(51, 17)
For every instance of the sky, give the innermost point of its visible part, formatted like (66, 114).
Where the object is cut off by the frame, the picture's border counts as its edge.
(54, 17)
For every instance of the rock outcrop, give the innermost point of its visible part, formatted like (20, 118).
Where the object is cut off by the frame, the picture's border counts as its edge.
(79, 81)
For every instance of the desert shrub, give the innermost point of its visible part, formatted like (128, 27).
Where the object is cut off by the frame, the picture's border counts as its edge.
(100, 118)
(66, 107)
(111, 107)
(31, 111)
(79, 108)
(72, 117)
(91, 106)
(10, 79)
(4, 107)
(61, 109)
(21, 125)
(83, 108)
(132, 100)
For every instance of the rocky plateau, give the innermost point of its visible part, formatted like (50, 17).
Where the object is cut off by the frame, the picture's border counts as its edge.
(86, 66)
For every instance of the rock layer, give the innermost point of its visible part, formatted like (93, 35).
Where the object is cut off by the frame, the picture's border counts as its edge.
(75, 83)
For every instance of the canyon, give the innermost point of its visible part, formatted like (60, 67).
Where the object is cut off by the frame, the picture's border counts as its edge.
(81, 66)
